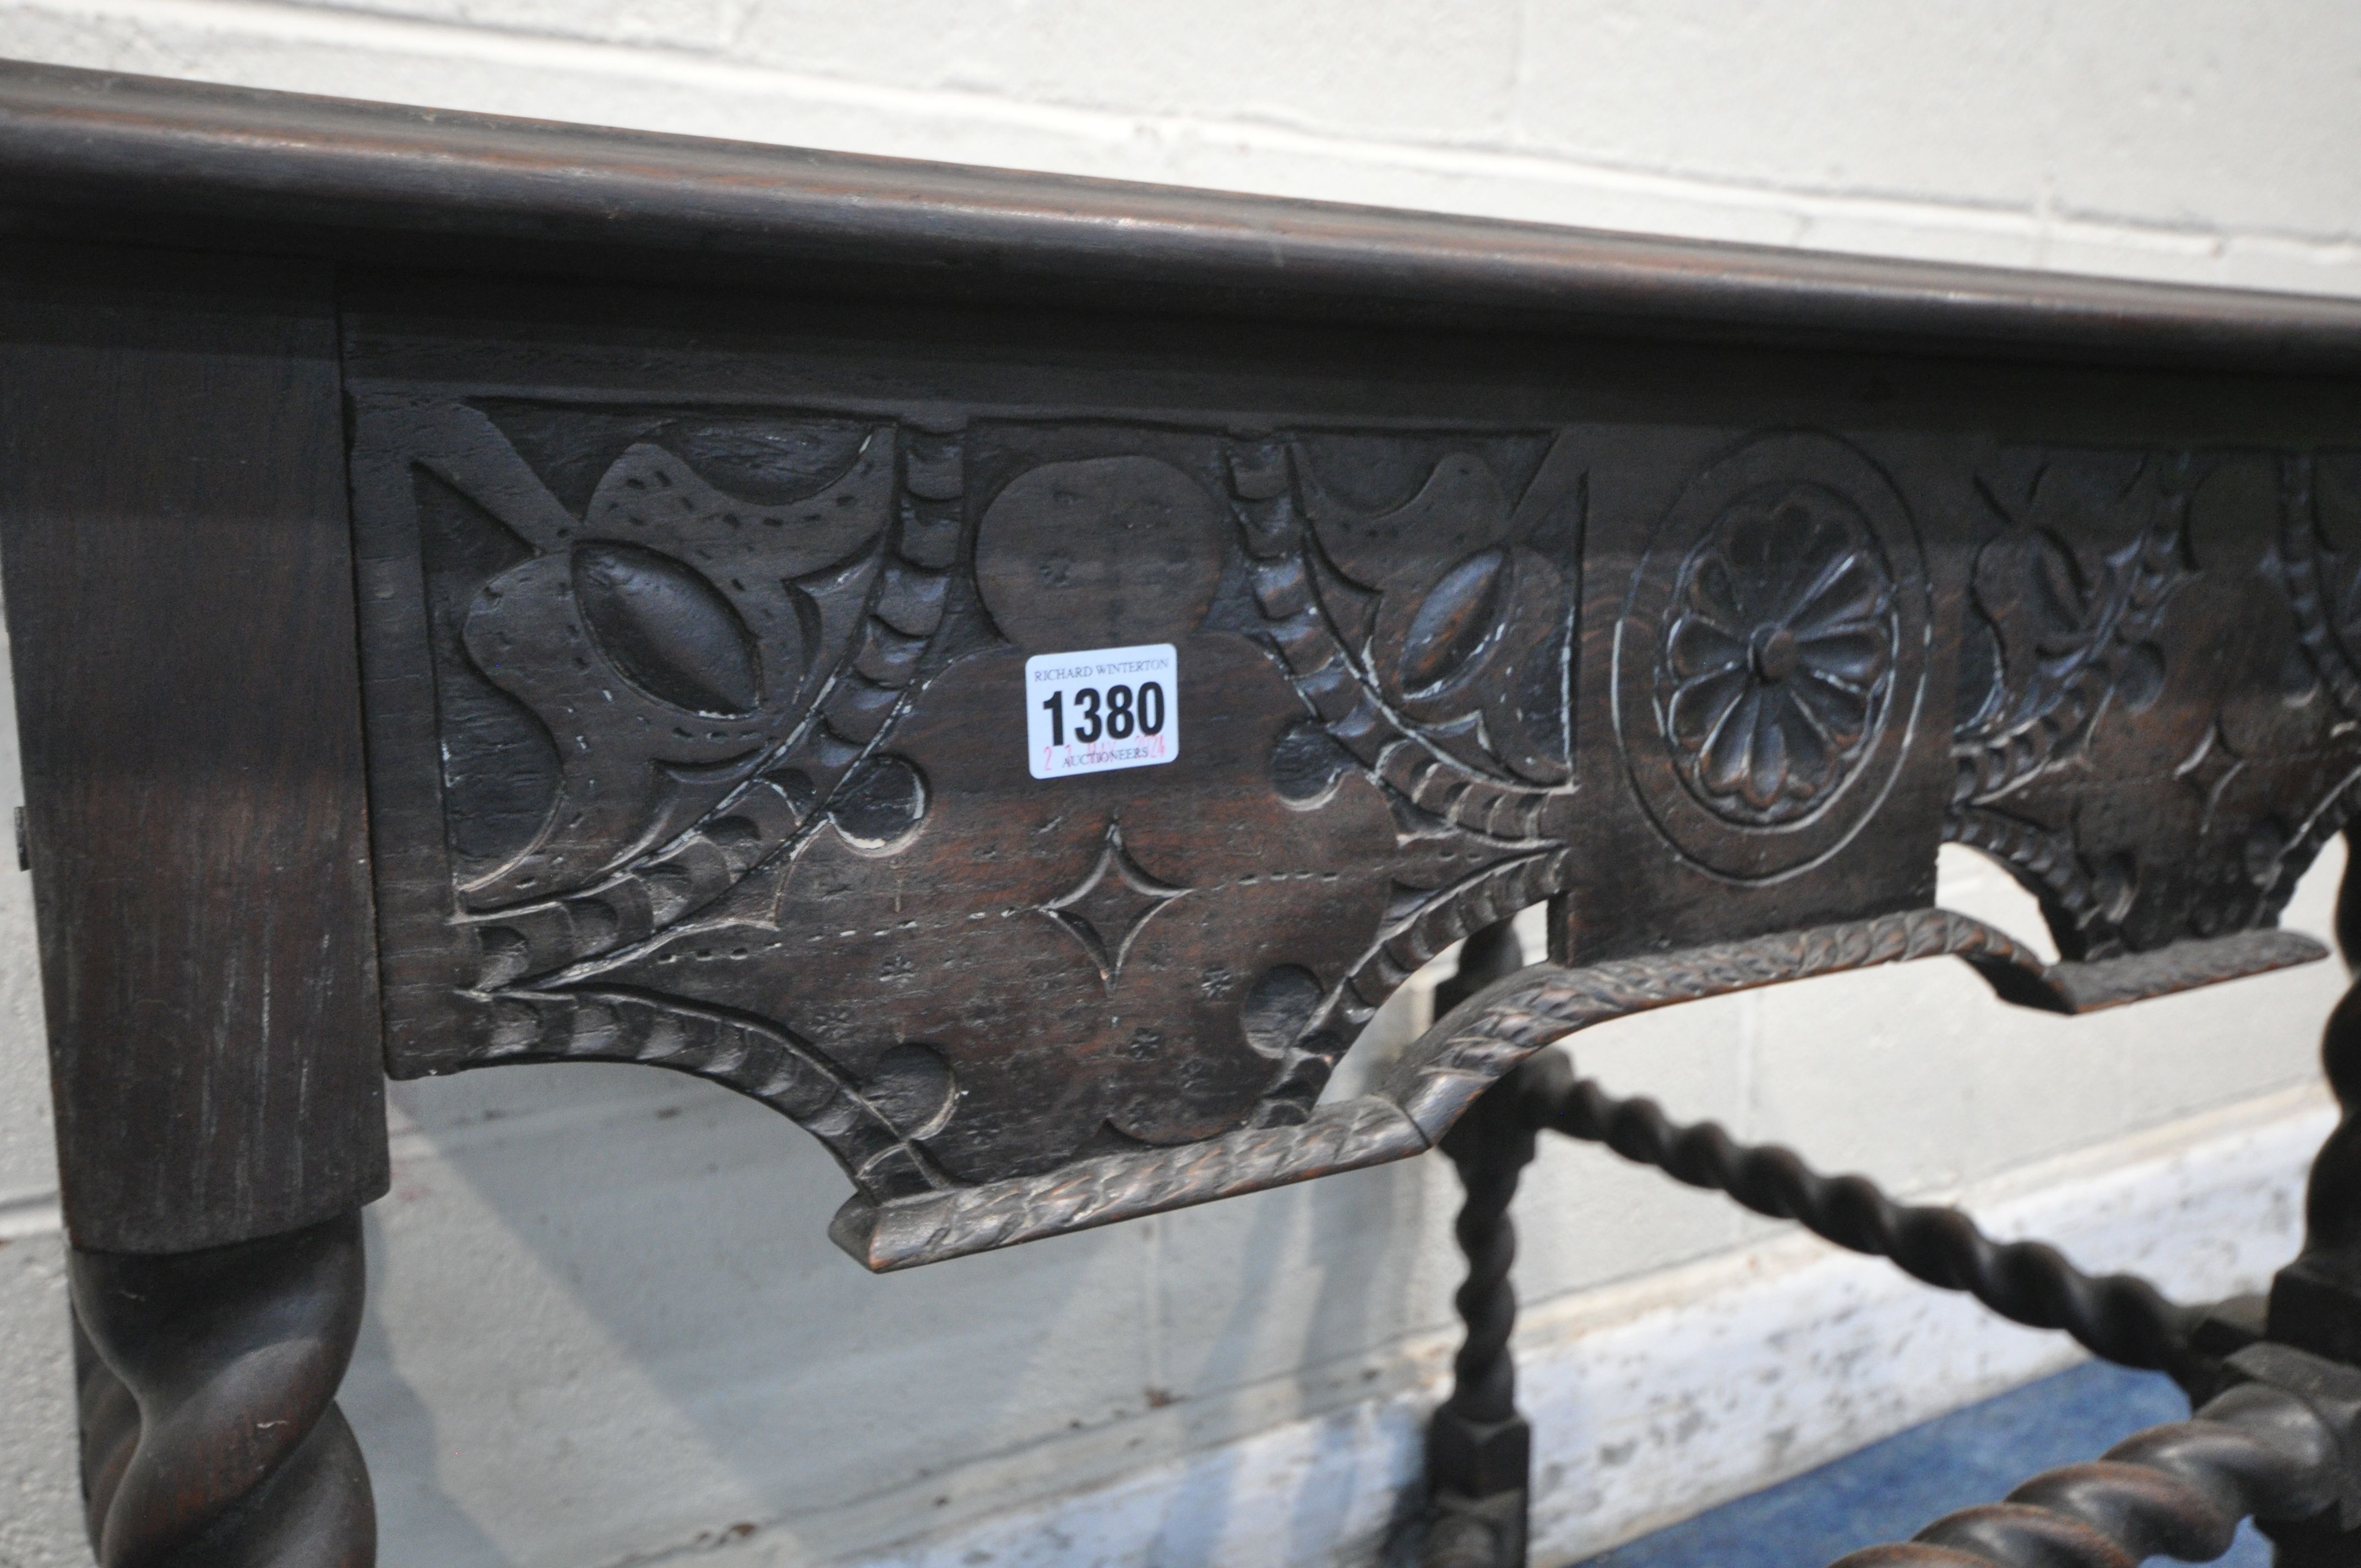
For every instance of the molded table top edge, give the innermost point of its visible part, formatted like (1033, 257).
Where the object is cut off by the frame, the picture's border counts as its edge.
(84, 147)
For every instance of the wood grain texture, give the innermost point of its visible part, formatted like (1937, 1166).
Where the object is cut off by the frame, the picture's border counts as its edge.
(180, 608)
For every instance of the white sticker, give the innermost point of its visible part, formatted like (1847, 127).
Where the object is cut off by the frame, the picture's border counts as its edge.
(1101, 708)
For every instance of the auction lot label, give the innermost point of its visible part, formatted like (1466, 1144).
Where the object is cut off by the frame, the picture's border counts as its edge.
(1101, 708)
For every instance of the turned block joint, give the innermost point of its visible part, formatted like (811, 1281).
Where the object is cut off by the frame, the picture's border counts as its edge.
(1478, 1459)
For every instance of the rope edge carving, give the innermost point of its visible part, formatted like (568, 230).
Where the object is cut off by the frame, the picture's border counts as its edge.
(1443, 1072)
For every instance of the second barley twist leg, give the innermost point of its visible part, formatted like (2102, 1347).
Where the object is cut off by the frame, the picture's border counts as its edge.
(211, 1438)
(2315, 1302)
(1478, 1449)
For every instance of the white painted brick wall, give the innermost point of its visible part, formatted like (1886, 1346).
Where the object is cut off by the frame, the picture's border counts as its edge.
(607, 1327)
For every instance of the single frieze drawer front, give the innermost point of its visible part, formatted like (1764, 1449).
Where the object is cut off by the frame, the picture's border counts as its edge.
(835, 750)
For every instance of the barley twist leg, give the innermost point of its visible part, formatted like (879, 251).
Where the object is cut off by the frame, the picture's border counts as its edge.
(2175, 1491)
(211, 1438)
(2315, 1302)
(1478, 1449)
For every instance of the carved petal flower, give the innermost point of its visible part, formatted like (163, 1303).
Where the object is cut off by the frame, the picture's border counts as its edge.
(1777, 655)
(1702, 706)
(1702, 647)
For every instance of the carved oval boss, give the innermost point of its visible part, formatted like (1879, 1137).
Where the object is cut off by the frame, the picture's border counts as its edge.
(1771, 657)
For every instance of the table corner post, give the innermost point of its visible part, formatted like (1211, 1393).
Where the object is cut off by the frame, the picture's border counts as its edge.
(174, 520)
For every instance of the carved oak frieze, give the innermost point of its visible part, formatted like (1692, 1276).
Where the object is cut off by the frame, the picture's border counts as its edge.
(733, 780)
(700, 739)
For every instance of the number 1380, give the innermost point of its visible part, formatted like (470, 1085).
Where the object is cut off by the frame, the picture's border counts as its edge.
(1117, 715)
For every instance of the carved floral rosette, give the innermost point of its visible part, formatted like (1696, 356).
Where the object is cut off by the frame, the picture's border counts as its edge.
(1770, 659)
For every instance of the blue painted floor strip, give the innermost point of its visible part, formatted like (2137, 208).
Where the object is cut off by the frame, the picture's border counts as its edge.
(1890, 1489)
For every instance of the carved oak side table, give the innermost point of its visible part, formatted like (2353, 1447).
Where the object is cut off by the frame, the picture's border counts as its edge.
(1010, 672)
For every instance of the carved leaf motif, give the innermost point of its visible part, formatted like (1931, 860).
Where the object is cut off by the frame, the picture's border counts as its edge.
(790, 856)
(717, 673)
(777, 861)
(2321, 564)
(1453, 623)
(1462, 667)
(670, 596)
(666, 629)
(2138, 815)
(1062, 969)
(2073, 633)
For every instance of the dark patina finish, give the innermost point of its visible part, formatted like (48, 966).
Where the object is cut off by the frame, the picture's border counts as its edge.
(710, 523)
